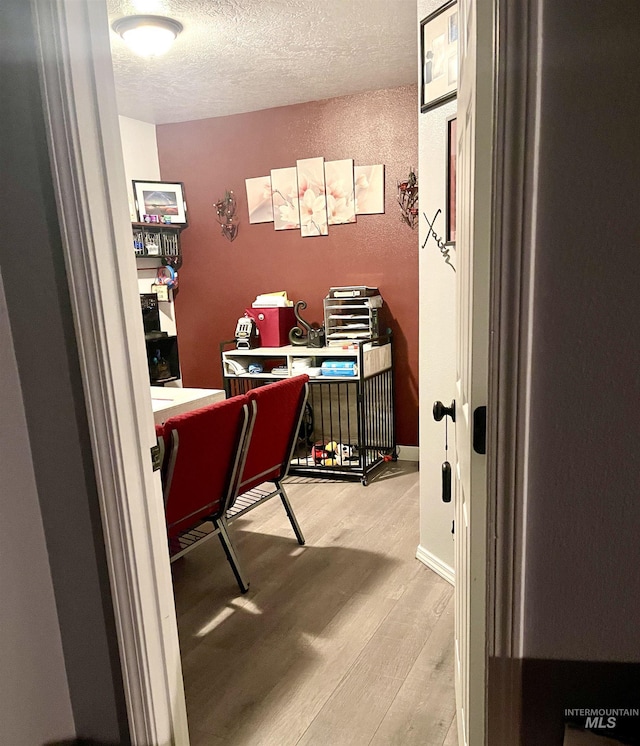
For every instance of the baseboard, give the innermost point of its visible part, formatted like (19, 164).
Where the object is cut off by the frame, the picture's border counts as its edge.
(408, 453)
(435, 564)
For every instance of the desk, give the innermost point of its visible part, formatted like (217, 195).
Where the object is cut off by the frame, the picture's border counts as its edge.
(167, 402)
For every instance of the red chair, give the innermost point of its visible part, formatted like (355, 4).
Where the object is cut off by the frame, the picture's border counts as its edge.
(221, 456)
(206, 452)
(278, 409)
(161, 449)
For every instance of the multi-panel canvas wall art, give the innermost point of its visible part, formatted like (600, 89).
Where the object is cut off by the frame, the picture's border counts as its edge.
(341, 206)
(314, 194)
(369, 189)
(285, 197)
(259, 199)
(313, 201)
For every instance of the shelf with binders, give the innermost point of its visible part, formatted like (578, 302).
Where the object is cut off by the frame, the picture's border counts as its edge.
(157, 240)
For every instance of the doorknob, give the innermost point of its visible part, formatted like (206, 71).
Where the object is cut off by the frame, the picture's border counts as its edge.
(440, 411)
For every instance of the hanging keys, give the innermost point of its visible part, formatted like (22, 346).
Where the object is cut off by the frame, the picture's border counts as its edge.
(446, 482)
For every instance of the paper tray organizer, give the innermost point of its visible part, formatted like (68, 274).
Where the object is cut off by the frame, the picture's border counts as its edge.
(351, 318)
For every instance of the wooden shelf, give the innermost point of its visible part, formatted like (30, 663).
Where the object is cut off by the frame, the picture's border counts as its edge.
(356, 412)
(375, 358)
(162, 226)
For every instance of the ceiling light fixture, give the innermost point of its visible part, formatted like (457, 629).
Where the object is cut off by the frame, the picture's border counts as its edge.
(148, 36)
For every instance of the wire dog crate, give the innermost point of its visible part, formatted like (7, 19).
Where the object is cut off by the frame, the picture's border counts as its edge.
(349, 425)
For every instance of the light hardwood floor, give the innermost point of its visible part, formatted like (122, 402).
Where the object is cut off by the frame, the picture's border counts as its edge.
(347, 640)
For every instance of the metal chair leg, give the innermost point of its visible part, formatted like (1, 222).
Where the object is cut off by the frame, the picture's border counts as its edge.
(223, 533)
(290, 514)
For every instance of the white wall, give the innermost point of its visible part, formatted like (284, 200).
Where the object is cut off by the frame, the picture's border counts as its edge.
(35, 705)
(140, 153)
(437, 333)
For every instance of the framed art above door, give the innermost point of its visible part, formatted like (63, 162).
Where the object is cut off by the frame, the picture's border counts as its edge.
(439, 56)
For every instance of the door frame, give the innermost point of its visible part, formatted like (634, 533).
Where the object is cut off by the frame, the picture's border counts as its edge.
(517, 50)
(79, 104)
(514, 162)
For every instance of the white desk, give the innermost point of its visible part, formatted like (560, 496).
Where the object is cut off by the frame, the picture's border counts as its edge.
(167, 402)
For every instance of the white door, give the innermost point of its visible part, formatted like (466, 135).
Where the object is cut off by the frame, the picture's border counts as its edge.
(473, 231)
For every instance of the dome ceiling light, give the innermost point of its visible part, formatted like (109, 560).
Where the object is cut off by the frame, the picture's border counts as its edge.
(147, 36)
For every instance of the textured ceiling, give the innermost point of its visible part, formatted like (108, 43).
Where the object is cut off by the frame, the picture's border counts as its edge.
(243, 55)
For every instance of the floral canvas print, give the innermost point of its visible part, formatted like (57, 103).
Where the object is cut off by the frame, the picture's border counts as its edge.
(341, 206)
(286, 202)
(259, 199)
(369, 189)
(313, 202)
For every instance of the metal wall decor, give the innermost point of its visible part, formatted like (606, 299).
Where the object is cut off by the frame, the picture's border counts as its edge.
(408, 199)
(315, 336)
(444, 248)
(226, 215)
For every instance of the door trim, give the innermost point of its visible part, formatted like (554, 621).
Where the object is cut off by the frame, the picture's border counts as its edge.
(513, 259)
(79, 105)
(436, 564)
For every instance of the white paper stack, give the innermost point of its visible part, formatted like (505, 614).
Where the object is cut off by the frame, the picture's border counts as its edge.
(272, 300)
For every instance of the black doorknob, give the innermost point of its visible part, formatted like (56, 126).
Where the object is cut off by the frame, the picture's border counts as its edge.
(440, 411)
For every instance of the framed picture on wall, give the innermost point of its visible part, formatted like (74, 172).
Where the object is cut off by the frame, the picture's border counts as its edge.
(439, 56)
(160, 202)
(451, 180)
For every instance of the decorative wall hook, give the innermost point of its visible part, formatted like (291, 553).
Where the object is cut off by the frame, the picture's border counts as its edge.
(315, 335)
(408, 199)
(226, 215)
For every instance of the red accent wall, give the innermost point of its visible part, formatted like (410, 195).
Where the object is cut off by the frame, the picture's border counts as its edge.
(219, 279)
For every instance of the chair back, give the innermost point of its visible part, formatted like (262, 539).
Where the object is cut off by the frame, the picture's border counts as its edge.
(278, 411)
(205, 455)
(160, 442)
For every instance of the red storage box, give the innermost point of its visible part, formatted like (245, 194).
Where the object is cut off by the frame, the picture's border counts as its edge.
(273, 324)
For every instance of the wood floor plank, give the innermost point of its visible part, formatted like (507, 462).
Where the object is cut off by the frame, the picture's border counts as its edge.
(424, 707)
(357, 707)
(434, 654)
(396, 644)
(252, 652)
(418, 718)
(286, 712)
(353, 713)
(329, 645)
(199, 737)
(218, 700)
(452, 735)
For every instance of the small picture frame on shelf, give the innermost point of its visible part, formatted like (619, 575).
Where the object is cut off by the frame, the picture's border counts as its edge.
(439, 56)
(160, 202)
